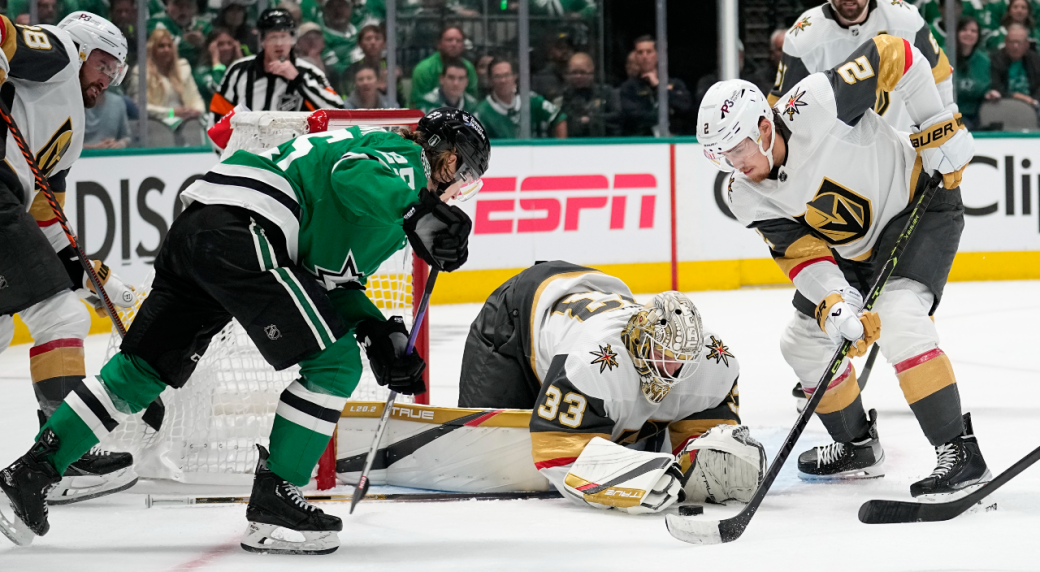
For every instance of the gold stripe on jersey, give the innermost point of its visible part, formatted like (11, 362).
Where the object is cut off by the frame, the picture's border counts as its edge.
(942, 70)
(58, 362)
(534, 306)
(801, 251)
(620, 497)
(891, 61)
(920, 381)
(40, 209)
(549, 445)
(840, 396)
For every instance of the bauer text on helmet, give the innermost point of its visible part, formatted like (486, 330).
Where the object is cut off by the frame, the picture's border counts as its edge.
(92, 32)
(729, 115)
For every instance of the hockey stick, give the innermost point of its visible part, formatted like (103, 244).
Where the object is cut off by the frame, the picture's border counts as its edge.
(865, 374)
(151, 501)
(730, 529)
(156, 411)
(889, 512)
(363, 483)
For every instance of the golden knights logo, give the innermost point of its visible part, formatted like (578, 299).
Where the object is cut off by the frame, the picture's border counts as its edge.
(793, 103)
(55, 148)
(838, 214)
(801, 25)
(718, 351)
(606, 358)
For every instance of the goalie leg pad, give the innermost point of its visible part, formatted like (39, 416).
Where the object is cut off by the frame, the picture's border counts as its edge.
(607, 475)
(725, 463)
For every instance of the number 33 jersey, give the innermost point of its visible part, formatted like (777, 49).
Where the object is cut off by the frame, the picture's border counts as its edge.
(846, 172)
(590, 387)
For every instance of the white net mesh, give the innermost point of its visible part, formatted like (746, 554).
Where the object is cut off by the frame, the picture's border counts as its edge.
(214, 422)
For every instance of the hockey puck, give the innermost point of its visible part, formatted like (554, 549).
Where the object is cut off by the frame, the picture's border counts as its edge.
(690, 510)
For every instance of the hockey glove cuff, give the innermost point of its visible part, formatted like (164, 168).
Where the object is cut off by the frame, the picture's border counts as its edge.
(438, 232)
(944, 146)
(385, 344)
(839, 316)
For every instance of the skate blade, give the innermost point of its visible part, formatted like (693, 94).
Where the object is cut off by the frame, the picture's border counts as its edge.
(851, 475)
(261, 538)
(15, 530)
(958, 494)
(77, 489)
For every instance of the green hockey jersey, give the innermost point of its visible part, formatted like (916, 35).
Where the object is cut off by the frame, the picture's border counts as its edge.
(339, 198)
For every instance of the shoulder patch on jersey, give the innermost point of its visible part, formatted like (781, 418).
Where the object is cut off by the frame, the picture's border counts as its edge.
(794, 101)
(718, 351)
(606, 358)
(801, 25)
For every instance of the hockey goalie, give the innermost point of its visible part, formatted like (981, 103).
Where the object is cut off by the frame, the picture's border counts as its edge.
(635, 407)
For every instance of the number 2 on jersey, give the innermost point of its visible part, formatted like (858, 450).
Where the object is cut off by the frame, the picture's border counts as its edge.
(575, 410)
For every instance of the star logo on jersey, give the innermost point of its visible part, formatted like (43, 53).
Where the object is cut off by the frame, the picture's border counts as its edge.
(800, 26)
(793, 103)
(606, 358)
(347, 273)
(901, 4)
(838, 214)
(718, 351)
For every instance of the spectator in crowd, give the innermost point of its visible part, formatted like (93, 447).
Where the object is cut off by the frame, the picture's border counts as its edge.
(631, 65)
(972, 75)
(372, 42)
(366, 94)
(123, 13)
(1018, 12)
(551, 79)
(189, 32)
(938, 23)
(452, 92)
(172, 95)
(47, 11)
(222, 50)
(426, 74)
(592, 110)
(763, 78)
(310, 44)
(275, 79)
(105, 125)
(341, 38)
(483, 76)
(232, 17)
(500, 111)
(639, 95)
(294, 10)
(776, 51)
(1015, 69)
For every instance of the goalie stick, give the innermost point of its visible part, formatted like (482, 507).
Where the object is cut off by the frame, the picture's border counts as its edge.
(890, 512)
(156, 411)
(730, 529)
(363, 482)
(151, 501)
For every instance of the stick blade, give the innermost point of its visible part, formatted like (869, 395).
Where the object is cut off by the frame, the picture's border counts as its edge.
(359, 493)
(890, 512)
(694, 531)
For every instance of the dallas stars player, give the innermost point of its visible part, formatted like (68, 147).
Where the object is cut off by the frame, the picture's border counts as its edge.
(608, 379)
(828, 184)
(282, 241)
(50, 74)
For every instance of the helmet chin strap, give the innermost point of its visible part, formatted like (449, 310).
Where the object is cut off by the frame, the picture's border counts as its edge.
(768, 152)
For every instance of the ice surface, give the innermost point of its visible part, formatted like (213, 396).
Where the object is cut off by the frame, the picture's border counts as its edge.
(989, 331)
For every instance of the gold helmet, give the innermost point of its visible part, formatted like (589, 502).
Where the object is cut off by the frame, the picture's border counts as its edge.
(665, 342)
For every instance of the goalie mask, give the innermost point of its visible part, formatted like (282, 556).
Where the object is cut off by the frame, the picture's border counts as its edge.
(665, 342)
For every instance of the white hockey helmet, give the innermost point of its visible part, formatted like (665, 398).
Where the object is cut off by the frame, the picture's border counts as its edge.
(728, 115)
(92, 32)
(665, 334)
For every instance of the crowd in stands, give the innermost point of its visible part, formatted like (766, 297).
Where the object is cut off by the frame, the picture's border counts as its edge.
(340, 46)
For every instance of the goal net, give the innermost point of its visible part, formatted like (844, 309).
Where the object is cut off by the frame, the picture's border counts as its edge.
(213, 423)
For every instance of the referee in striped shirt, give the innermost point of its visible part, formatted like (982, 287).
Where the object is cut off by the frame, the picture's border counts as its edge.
(274, 79)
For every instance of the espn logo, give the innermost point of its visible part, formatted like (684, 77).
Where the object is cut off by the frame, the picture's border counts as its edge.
(499, 213)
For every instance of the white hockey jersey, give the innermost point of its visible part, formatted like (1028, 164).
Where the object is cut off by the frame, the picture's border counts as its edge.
(590, 387)
(817, 42)
(42, 90)
(846, 173)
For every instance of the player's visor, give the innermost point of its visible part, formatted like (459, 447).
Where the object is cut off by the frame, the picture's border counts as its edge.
(115, 70)
(739, 154)
(469, 182)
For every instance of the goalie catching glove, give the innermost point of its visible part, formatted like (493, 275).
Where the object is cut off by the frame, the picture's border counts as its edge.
(121, 294)
(385, 343)
(725, 463)
(607, 475)
(839, 316)
(438, 232)
(944, 146)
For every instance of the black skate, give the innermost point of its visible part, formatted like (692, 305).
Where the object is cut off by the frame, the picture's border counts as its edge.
(799, 397)
(26, 483)
(98, 473)
(860, 459)
(959, 470)
(276, 503)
